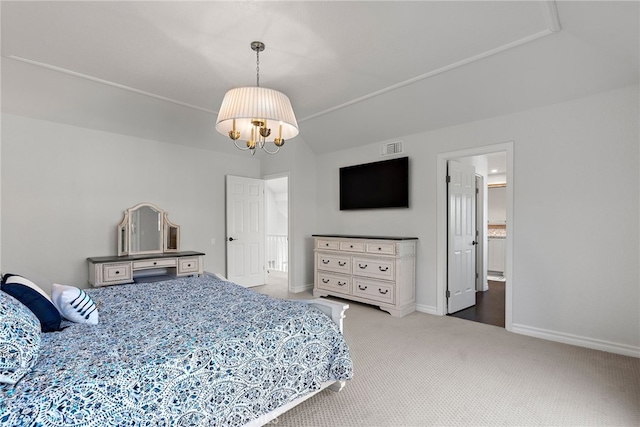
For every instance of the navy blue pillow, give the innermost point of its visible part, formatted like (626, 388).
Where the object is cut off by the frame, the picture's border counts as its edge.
(39, 305)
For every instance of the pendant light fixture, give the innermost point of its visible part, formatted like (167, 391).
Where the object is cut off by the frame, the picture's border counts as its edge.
(257, 115)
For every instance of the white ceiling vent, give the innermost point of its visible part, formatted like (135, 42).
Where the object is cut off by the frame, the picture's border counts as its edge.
(391, 148)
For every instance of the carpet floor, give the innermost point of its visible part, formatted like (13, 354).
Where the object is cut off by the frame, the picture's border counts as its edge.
(425, 370)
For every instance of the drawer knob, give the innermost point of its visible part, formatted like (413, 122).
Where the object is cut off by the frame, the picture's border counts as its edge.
(362, 266)
(341, 283)
(342, 263)
(351, 246)
(188, 265)
(383, 269)
(326, 244)
(386, 291)
(362, 288)
(324, 261)
(155, 262)
(118, 272)
(325, 280)
(379, 249)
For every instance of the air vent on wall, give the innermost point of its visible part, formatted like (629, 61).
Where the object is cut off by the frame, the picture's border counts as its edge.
(391, 148)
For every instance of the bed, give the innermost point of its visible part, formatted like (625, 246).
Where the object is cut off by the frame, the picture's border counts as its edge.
(195, 351)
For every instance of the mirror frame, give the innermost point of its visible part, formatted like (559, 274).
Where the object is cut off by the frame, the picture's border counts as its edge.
(169, 239)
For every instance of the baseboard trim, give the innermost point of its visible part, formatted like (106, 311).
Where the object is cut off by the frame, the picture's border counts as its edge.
(611, 347)
(427, 309)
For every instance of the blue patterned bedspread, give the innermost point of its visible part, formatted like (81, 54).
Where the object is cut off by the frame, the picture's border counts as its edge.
(191, 351)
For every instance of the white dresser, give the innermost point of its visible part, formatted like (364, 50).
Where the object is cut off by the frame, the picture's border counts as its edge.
(115, 270)
(369, 269)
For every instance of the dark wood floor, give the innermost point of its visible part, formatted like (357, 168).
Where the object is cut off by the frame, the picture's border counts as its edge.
(489, 306)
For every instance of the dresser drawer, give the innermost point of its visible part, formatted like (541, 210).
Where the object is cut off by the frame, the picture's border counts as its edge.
(374, 267)
(328, 244)
(334, 283)
(188, 265)
(352, 246)
(373, 290)
(337, 263)
(116, 272)
(381, 248)
(154, 263)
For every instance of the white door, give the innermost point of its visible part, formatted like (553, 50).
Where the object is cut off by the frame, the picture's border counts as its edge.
(245, 231)
(461, 278)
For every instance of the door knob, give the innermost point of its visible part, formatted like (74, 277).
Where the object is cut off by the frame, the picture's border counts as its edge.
(474, 243)
(231, 239)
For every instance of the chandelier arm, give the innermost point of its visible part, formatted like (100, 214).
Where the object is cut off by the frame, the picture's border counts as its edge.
(238, 147)
(271, 152)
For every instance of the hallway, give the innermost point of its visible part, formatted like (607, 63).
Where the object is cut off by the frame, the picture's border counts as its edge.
(489, 308)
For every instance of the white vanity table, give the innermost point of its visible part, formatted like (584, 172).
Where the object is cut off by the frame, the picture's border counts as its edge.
(116, 270)
(147, 242)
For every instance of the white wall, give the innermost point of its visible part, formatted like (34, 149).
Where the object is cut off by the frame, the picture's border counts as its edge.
(497, 205)
(576, 209)
(497, 178)
(64, 190)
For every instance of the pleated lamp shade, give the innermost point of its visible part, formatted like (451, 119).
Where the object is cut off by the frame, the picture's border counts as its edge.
(245, 104)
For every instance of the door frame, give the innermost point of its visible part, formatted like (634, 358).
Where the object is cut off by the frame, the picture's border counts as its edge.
(481, 271)
(290, 253)
(441, 224)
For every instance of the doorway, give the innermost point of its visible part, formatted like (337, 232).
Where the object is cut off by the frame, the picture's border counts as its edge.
(506, 151)
(489, 304)
(277, 232)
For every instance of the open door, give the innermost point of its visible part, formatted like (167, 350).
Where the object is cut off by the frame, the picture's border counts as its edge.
(245, 231)
(461, 269)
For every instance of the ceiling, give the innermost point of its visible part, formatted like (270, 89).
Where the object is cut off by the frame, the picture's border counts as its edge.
(356, 72)
(496, 162)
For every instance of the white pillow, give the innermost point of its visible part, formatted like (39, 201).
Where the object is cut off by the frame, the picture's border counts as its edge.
(74, 304)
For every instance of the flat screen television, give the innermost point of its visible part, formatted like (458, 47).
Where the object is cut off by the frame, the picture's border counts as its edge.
(383, 184)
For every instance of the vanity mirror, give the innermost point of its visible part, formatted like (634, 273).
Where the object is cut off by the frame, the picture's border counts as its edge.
(145, 229)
